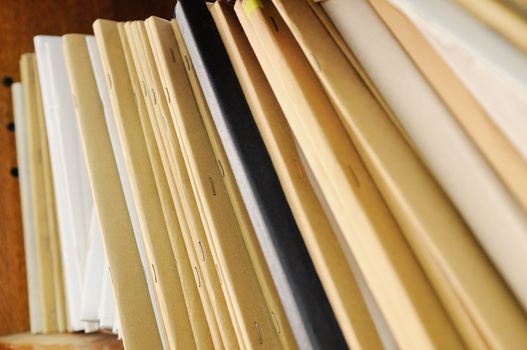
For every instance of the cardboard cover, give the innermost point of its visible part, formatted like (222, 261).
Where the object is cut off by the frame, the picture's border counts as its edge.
(137, 318)
(197, 319)
(195, 144)
(369, 228)
(168, 288)
(252, 245)
(322, 244)
(206, 274)
(228, 250)
(313, 323)
(489, 327)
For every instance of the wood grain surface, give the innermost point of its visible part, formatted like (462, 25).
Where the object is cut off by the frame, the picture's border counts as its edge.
(26, 341)
(20, 20)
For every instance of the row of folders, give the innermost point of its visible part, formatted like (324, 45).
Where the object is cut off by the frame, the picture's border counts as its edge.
(281, 175)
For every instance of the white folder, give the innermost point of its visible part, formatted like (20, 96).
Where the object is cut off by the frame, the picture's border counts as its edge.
(72, 190)
(107, 305)
(492, 69)
(33, 283)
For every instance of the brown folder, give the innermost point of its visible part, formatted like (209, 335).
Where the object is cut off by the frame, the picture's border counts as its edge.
(175, 226)
(163, 31)
(206, 272)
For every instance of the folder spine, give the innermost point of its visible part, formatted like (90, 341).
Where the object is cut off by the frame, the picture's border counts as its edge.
(306, 305)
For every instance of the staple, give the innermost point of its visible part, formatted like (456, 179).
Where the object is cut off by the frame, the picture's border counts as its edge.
(168, 95)
(187, 62)
(154, 96)
(197, 276)
(172, 55)
(202, 251)
(212, 185)
(222, 172)
(109, 81)
(155, 274)
(143, 85)
(258, 332)
(276, 323)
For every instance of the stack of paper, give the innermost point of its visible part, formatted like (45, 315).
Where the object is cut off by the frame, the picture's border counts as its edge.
(271, 174)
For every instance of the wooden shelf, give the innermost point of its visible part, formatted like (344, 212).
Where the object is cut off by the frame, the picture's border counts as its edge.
(27, 341)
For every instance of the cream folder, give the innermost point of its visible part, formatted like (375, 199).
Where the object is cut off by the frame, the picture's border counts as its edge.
(37, 180)
(206, 272)
(33, 283)
(204, 325)
(494, 70)
(490, 211)
(121, 167)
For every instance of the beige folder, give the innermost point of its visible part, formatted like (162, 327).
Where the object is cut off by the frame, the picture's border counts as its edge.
(169, 38)
(37, 173)
(206, 272)
(192, 297)
(350, 56)
(229, 253)
(252, 244)
(399, 286)
(323, 246)
(155, 235)
(137, 321)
